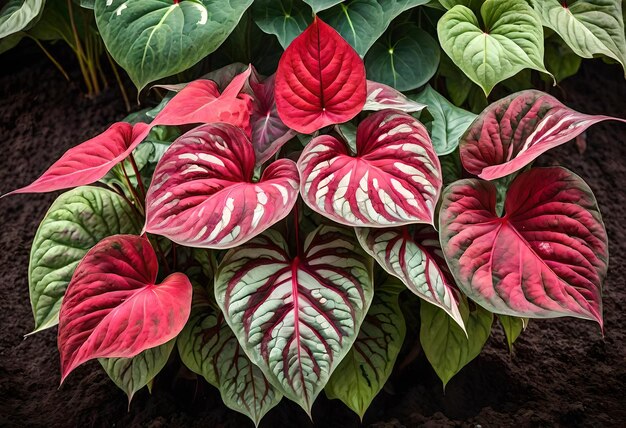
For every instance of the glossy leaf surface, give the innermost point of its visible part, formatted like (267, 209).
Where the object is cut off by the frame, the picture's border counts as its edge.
(17, 15)
(296, 316)
(514, 131)
(114, 308)
(202, 193)
(394, 179)
(414, 256)
(320, 80)
(380, 97)
(510, 40)
(76, 221)
(90, 161)
(362, 374)
(208, 347)
(545, 257)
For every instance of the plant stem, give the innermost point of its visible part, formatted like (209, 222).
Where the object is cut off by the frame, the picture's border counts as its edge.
(51, 58)
(132, 189)
(142, 189)
(296, 219)
(80, 54)
(162, 254)
(119, 80)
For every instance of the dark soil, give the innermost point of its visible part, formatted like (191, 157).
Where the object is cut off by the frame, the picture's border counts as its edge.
(562, 372)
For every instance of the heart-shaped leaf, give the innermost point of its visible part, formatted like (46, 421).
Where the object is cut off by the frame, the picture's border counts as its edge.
(448, 347)
(394, 179)
(449, 122)
(320, 80)
(75, 222)
(362, 22)
(114, 308)
(269, 133)
(362, 374)
(560, 60)
(132, 374)
(589, 27)
(405, 57)
(90, 161)
(546, 257)
(511, 40)
(208, 347)
(286, 19)
(296, 316)
(414, 256)
(319, 5)
(512, 132)
(17, 15)
(202, 193)
(380, 97)
(513, 327)
(153, 39)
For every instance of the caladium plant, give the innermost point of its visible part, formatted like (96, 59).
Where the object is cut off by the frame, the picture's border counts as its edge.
(270, 236)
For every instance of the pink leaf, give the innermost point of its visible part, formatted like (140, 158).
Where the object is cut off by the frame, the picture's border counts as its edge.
(269, 133)
(114, 308)
(394, 179)
(90, 161)
(320, 80)
(380, 97)
(202, 193)
(546, 257)
(511, 133)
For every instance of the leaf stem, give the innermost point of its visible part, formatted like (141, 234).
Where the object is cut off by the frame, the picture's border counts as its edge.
(119, 80)
(138, 175)
(51, 58)
(132, 189)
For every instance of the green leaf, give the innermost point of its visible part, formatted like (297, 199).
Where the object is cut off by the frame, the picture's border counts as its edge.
(451, 167)
(9, 42)
(404, 58)
(513, 327)
(152, 39)
(75, 222)
(18, 15)
(589, 27)
(284, 18)
(560, 60)
(318, 5)
(472, 4)
(208, 347)
(132, 374)
(510, 40)
(362, 22)
(446, 346)
(449, 122)
(363, 372)
(458, 84)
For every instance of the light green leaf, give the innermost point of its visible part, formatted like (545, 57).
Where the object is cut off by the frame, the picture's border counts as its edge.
(208, 347)
(75, 222)
(132, 374)
(362, 22)
(472, 4)
(449, 122)
(363, 372)
(152, 39)
(318, 5)
(404, 58)
(560, 60)
(284, 18)
(18, 15)
(446, 346)
(510, 40)
(589, 27)
(513, 327)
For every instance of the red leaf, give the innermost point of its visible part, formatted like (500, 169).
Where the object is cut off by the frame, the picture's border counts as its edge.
(90, 161)
(512, 132)
(380, 97)
(202, 193)
(546, 257)
(320, 80)
(394, 179)
(113, 308)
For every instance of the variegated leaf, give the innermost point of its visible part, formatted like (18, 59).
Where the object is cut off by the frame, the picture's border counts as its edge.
(296, 316)
(208, 347)
(380, 97)
(414, 255)
(203, 193)
(394, 179)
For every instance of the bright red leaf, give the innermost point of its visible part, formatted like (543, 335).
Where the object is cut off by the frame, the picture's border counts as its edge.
(394, 179)
(320, 80)
(546, 257)
(203, 194)
(512, 132)
(90, 161)
(114, 308)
